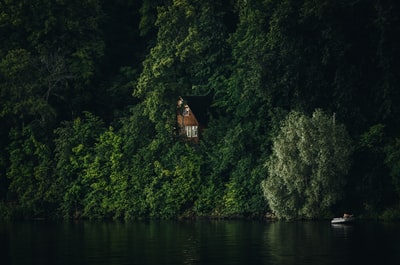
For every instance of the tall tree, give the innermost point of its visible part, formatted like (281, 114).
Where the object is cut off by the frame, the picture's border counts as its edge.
(308, 165)
(240, 124)
(185, 56)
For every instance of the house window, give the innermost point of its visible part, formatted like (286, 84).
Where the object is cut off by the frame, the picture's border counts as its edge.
(191, 131)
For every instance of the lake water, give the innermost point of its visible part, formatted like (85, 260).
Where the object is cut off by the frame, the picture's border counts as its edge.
(199, 242)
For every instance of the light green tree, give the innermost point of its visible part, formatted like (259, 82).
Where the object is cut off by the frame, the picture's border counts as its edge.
(306, 171)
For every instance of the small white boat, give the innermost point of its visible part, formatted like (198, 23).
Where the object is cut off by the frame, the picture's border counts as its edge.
(346, 219)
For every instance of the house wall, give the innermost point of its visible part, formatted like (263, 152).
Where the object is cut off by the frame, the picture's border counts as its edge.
(185, 117)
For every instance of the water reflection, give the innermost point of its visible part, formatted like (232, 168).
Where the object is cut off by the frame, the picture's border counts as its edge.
(342, 230)
(201, 242)
(299, 243)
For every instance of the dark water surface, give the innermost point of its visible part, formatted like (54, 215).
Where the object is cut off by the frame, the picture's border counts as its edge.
(199, 242)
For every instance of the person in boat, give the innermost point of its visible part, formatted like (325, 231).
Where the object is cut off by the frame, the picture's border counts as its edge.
(347, 215)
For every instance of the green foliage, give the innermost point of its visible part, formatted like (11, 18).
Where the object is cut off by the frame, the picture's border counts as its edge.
(392, 160)
(376, 190)
(30, 172)
(374, 137)
(187, 50)
(391, 214)
(243, 194)
(101, 175)
(74, 150)
(21, 92)
(175, 180)
(232, 184)
(307, 169)
(68, 69)
(67, 27)
(4, 211)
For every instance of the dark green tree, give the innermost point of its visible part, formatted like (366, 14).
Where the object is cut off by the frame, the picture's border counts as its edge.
(238, 137)
(188, 49)
(393, 161)
(374, 185)
(30, 174)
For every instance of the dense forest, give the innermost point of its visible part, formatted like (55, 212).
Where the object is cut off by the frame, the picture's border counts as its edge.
(303, 121)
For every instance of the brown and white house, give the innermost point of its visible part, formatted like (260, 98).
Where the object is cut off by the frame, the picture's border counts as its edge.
(189, 126)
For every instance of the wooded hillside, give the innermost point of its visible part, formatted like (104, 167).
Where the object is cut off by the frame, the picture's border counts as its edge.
(303, 122)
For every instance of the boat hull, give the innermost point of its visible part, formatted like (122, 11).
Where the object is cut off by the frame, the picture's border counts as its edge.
(342, 220)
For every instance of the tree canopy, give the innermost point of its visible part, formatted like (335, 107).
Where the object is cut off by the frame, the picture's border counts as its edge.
(308, 166)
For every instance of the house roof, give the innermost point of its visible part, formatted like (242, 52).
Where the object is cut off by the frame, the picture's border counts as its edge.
(200, 106)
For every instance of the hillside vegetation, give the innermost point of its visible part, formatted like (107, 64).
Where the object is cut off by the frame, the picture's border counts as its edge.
(304, 119)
